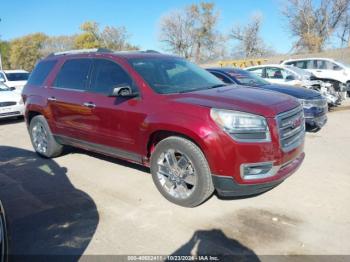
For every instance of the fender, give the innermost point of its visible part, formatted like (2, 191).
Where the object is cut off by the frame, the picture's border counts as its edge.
(189, 126)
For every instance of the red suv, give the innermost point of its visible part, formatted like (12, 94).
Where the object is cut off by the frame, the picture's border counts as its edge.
(195, 133)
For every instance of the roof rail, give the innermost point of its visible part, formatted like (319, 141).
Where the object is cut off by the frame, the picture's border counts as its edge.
(81, 51)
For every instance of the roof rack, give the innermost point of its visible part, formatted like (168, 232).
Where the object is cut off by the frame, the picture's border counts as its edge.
(98, 50)
(82, 51)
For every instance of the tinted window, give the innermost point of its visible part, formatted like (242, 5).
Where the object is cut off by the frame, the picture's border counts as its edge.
(17, 76)
(107, 75)
(40, 72)
(222, 78)
(73, 74)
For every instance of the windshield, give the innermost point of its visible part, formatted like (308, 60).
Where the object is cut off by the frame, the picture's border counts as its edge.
(299, 71)
(17, 76)
(4, 88)
(247, 78)
(172, 75)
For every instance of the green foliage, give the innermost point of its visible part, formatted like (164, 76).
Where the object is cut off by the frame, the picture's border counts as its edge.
(25, 51)
(5, 54)
(114, 38)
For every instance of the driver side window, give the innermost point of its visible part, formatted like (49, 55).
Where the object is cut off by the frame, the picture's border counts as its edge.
(106, 75)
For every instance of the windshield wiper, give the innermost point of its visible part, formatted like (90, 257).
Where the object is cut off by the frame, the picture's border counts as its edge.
(216, 86)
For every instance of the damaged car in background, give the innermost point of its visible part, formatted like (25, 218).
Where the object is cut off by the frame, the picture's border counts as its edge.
(314, 105)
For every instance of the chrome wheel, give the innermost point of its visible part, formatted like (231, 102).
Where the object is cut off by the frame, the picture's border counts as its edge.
(176, 174)
(40, 138)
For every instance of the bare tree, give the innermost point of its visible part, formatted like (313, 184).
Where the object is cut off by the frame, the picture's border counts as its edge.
(115, 38)
(312, 23)
(248, 36)
(191, 32)
(344, 31)
(177, 32)
(57, 44)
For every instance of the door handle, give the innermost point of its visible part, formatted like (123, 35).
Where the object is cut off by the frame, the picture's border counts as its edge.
(52, 98)
(89, 105)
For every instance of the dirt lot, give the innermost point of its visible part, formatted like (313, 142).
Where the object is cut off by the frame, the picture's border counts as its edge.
(89, 204)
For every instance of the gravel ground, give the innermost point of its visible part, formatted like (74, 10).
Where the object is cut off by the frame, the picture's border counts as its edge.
(83, 203)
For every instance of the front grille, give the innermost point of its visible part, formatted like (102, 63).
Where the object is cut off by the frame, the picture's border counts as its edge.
(10, 113)
(291, 127)
(3, 104)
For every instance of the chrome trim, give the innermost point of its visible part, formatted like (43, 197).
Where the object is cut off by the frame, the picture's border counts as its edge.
(296, 134)
(69, 89)
(273, 171)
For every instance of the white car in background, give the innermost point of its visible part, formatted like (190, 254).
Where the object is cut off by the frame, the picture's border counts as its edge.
(287, 75)
(323, 68)
(14, 78)
(11, 103)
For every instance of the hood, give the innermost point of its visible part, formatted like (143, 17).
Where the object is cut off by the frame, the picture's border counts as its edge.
(16, 83)
(9, 96)
(240, 98)
(297, 92)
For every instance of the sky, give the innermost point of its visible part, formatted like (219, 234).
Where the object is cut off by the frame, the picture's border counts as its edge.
(141, 18)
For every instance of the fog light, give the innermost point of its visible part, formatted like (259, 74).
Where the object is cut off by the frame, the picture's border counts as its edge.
(258, 170)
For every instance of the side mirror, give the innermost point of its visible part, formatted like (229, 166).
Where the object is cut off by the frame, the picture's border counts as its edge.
(124, 91)
(290, 78)
(12, 88)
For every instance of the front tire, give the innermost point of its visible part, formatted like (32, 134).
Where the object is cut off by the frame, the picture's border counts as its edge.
(181, 172)
(42, 139)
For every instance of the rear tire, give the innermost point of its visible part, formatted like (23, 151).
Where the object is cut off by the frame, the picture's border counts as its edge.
(181, 172)
(42, 139)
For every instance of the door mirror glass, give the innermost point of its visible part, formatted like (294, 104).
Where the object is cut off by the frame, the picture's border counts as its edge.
(290, 78)
(122, 90)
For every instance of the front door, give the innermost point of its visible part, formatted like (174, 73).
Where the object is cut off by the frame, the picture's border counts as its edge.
(115, 122)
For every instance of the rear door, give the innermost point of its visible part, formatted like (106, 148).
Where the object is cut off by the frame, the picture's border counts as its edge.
(66, 99)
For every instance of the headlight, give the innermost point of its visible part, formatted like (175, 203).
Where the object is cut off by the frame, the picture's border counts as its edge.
(20, 102)
(307, 104)
(242, 126)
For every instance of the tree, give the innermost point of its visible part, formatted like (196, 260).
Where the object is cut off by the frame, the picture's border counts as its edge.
(115, 38)
(344, 31)
(191, 32)
(25, 51)
(5, 54)
(177, 32)
(312, 23)
(57, 44)
(248, 36)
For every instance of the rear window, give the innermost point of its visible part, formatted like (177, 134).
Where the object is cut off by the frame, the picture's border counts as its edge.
(40, 72)
(74, 74)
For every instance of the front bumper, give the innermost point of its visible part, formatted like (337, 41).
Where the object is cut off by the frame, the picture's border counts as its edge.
(319, 121)
(228, 187)
(11, 111)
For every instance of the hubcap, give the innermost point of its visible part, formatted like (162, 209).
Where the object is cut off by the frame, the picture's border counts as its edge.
(176, 174)
(39, 138)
